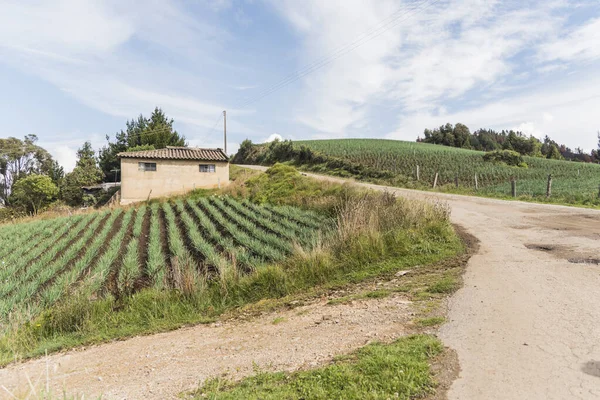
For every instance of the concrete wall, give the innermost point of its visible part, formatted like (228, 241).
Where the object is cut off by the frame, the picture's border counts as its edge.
(171, 177)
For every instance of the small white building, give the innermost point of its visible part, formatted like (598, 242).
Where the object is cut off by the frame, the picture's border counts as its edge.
(165, 172)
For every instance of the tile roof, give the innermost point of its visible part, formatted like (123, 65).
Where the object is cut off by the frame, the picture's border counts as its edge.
(178, 153)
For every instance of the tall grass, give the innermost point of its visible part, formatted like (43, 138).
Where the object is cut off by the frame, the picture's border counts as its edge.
(184, 268)
(258, 247)
(156, 265)
(212, 258)
(130, 270)
(102, 268)
(237, 255)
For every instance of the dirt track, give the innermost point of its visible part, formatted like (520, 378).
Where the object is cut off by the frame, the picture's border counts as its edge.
(525, 325)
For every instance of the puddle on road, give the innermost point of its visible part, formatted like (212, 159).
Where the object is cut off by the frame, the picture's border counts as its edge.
(591, 368)
(565, 253)
(541, 247)
(595, 261)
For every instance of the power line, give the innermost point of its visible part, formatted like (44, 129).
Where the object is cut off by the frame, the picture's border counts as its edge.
(315, 63)
(369, 35)
(168, 129)
(215, 125)
(375, 31)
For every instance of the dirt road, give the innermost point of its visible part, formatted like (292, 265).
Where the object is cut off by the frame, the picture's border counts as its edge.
(525, 325)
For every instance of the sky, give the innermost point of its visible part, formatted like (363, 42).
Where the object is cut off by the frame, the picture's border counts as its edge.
(76, 70)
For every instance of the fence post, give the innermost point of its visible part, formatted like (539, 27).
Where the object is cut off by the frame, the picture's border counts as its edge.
(417, 172)
(456, 180)
(513, 185)
(435, 180)
(549, 186)
(476, 185)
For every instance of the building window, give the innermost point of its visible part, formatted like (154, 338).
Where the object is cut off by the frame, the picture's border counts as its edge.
(147, 166)
(207, 167)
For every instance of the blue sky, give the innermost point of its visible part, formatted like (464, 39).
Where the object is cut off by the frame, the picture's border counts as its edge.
(75, 70)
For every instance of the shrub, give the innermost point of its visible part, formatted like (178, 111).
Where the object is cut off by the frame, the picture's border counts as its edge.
(508, 157)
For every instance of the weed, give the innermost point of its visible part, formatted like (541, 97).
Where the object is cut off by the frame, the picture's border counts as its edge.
(446, 284)
(431, 321)
(398, 370)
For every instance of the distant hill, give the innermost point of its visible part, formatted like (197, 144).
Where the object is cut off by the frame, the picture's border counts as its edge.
(395, 162)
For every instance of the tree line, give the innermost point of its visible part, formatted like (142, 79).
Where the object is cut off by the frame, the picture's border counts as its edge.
(31, 180)
(460, 136)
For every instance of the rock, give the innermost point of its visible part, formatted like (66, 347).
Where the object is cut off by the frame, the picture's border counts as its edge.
(402, 273)
(327, 317)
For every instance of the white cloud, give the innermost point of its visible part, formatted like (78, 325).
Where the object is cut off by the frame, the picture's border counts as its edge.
(564, 111)
(68, 27)
(64, 150)
(431, 55)
(273, 137)
(78, 46)
(434, 60)
(486, 63)
(581, 44)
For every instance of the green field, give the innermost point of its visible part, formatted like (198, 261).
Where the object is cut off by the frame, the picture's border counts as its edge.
(119, 252)
(574, 181)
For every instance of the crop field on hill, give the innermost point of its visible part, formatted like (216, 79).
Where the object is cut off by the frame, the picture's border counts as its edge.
(118, 252)
(569, 178)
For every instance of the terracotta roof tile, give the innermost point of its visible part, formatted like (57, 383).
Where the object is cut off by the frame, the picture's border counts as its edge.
(178, 153)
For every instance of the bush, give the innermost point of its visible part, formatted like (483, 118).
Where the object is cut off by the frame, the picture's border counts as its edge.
(508, 157)
(285, 152)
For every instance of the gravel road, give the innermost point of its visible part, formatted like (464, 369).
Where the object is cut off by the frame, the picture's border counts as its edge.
(525, 325)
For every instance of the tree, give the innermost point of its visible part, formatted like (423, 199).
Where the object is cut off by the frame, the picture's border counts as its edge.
(156, 132)
(19, 158)
(490, 140)
(85, 173)
(56, 172)
(34, 192)
(462, 136)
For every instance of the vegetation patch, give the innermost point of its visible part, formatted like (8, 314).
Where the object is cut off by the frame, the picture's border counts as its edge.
(398, 370)
(508, 157)
(207, 256)
(416, 165)
(431, 321)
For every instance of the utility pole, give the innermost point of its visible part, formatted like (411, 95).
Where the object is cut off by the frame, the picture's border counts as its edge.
(116, 171)
(225, 131)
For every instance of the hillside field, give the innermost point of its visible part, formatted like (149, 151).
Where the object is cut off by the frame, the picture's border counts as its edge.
(157, 245)
(395, 162)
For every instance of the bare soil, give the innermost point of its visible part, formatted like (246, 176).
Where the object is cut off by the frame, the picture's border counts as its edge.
(163, 365)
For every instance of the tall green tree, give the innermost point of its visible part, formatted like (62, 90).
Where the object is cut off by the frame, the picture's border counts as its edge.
(490, 140)
(85, 173)
(34, 192)
(142, 133)
(19, 158)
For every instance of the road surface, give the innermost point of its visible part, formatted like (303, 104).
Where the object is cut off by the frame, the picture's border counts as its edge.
(526, 324)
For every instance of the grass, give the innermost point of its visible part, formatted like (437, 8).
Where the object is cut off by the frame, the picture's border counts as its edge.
(399, 370)
(81, 322)
(431, 321)
(373, 235)
(102, 252)
(394, 163)
(446, 284)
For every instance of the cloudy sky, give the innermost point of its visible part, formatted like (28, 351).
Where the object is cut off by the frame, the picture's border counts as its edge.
(75, 70)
